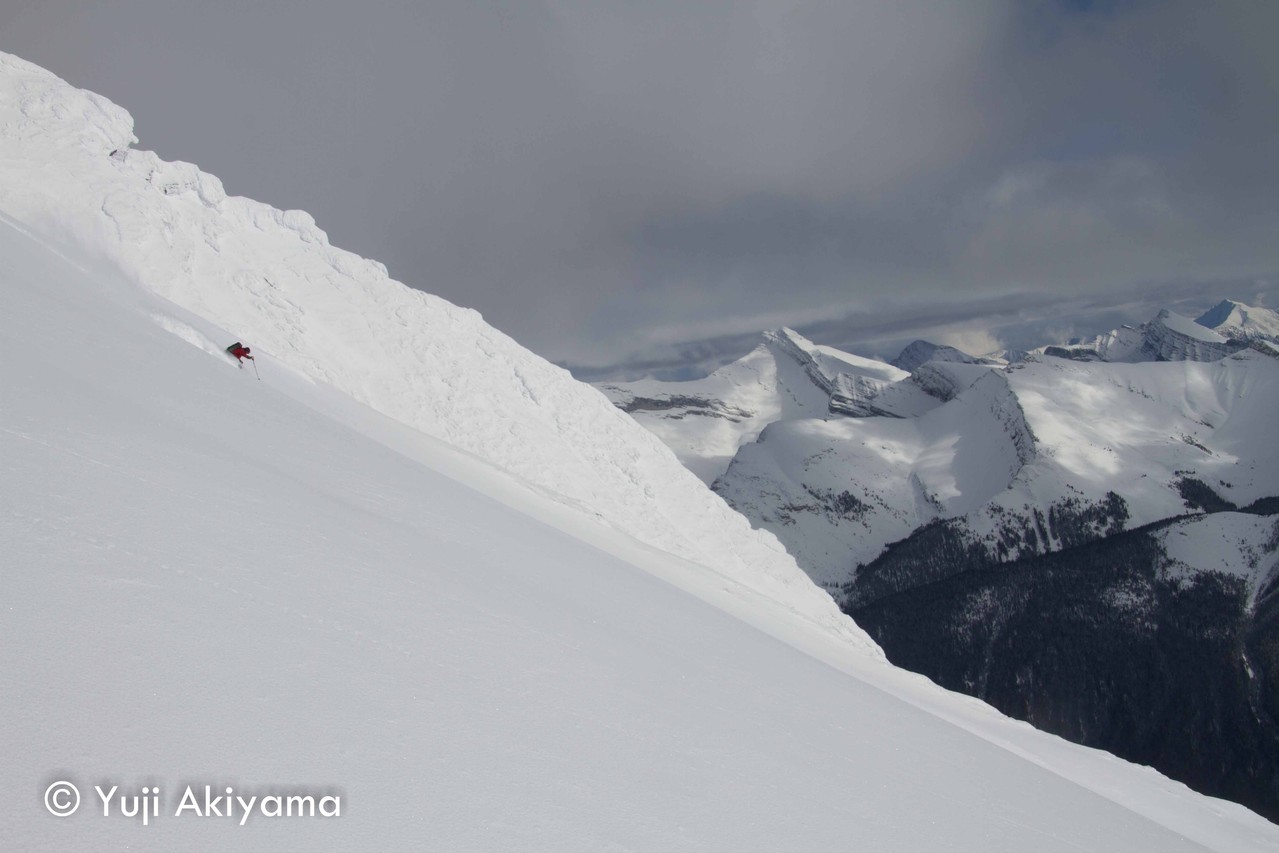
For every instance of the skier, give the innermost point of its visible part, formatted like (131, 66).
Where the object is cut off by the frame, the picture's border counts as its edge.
(241, 352)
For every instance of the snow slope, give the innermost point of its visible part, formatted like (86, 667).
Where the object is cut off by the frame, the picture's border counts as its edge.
(270, 278)
(268, 585)
(215, 580)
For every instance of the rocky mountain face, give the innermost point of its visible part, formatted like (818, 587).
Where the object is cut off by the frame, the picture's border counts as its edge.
(1087, 539)
(1170, 337)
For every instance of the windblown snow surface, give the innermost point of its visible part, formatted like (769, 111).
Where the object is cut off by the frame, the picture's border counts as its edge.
(416, 568)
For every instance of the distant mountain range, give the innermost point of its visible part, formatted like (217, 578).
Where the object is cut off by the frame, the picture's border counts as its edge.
(1227, 328)
(1085, 535)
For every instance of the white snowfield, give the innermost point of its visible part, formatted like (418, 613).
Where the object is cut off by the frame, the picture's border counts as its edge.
(325, 583)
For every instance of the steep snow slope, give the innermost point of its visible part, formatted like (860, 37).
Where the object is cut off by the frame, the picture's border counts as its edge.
(213, 580)
(270, 277)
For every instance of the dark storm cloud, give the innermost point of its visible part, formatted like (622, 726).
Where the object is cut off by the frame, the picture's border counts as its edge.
(606, 181)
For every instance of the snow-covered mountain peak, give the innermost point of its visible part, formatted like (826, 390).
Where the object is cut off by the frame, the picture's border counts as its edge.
(778, 379)
(787, 337)
(828, 362)
(1183, 325)
(920, 352)
(786, 376)
(1169, 336)
(1237, 321)
(1222, 312)
(1173, 337)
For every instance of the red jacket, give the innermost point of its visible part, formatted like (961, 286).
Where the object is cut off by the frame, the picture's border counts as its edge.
(241, 353)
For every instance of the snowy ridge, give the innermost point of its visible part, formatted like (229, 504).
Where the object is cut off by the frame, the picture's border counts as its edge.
(851, 382)
(1172, 337)
(705, 421)
(944, 380)
(1237, 321)
(994, 389)
(67, 174)
(791, 344)
(1168, 337)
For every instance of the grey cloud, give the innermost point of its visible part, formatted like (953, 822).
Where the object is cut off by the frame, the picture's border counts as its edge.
(605, 181)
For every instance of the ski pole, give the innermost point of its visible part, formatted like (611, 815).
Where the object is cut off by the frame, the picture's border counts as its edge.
(255, 370)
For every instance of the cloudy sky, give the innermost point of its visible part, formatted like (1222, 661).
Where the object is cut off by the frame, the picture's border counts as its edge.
(655, 182)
